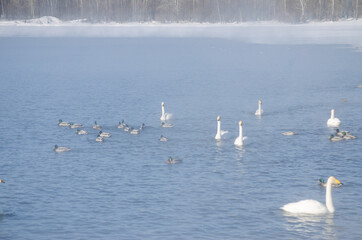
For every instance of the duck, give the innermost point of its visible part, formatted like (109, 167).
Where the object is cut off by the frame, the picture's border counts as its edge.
(289, 133)
(96, 126)
(166, 125)
(345, 134)
(104, 134)
(99, 138)
(81, 132)
(142, 126)
(324, 183)
(134, 131)
(126, 128)
(312, 206)
(75, 125)
(259, 111)
(163, 139)
(164, 116)
(2, 181)
(122, 124)
(61, 149)
(171, 160)
(333, 121)
(239, 140)
(63, 124)
(334, 138)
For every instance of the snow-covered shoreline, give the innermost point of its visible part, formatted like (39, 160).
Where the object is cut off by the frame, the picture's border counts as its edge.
(348, 32)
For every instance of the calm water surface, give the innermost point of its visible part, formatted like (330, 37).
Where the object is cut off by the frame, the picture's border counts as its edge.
(123, 189)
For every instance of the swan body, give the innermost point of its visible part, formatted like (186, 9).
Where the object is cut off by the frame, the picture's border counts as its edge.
(333, 121)
(312, 206)
(122, 124)
(99, 139)
(104, 134)
(239, 140)
(96, 126)
(61, 149)
(171, 160)
(324, 183)
(164, 116)
(63, 124)
(289, 133)
(166, 125)
(259, 111)
(218, 131)
(163, 139)
(75, 125)
(81, 132)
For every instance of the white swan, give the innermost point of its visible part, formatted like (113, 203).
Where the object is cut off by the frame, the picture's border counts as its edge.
(312, 206)
(259, 111)
(218, 132)
(164, 116)
(63, 124)
(61, 149)
(333, 122)
(239, 140)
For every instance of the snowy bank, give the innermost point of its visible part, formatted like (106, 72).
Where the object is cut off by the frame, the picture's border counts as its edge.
(348, 32)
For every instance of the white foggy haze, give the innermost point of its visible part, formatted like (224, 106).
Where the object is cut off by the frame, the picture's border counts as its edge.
(348, 32)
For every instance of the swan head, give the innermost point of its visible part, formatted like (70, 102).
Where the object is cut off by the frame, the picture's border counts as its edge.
(240, 123)
(218, 118)
(162, 104)
(333, 180)
(2, 181)
(259, 101)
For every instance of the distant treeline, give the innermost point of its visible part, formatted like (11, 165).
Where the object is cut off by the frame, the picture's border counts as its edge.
(182, 10)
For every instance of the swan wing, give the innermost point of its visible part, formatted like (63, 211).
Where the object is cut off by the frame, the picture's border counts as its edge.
(305, 206)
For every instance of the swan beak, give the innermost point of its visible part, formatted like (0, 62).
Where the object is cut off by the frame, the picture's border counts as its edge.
(218, 118)
(338, 182)
(162, 104)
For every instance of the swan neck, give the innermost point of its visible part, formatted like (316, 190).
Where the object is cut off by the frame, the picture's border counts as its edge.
(259, 107)
(241, 132)
(332, 113)
(163, 111)
(218, 127)
(329, 201)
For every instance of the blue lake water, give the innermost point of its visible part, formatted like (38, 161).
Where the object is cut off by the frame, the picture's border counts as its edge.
(123, 188)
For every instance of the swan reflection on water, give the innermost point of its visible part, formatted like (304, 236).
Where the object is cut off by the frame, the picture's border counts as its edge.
(310, 225)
